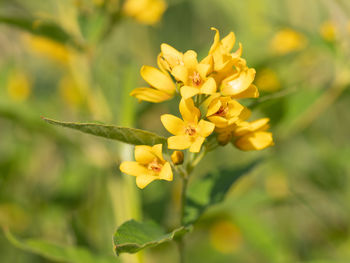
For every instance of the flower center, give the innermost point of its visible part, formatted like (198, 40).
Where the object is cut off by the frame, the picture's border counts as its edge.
(189, 130)
(222, 111)
(196, 79)
(155, 166)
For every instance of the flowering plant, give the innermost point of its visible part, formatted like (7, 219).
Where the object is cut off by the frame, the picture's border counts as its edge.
(211, 116)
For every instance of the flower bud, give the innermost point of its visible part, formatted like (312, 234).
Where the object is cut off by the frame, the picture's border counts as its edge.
(177, 157)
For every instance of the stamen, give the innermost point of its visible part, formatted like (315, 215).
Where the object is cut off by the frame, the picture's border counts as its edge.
(189, 130)
(155, 166)
(222, 111)
(196, 79)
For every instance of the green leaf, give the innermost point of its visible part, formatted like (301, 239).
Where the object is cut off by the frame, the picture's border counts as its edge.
(132, 236)
(123, 134)
(55, 252)
(211, 190)
(40, 27)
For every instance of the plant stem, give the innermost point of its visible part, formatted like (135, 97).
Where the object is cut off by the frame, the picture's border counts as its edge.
(180, 241)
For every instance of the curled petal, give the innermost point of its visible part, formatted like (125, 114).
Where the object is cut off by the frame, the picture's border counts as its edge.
(235, 85)
(214, 106)
(228, 42)
(150, 94)
(158, 79)
(255, 141)
(250, 92)
(188, 111)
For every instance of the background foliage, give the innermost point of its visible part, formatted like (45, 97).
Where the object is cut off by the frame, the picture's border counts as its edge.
(61, 194)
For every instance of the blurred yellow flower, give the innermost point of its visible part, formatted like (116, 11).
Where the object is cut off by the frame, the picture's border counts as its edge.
(48, 48)
(145, 11)
(177, 157)
(267, 80)
(225, 237)
(189, 132)
(149, 166)
(224, 111)
(240, 85)
(193, 75)
(287, 40)
(253, 135)
(70, 92)
(328, 30)
(19, 86)
(162, 87)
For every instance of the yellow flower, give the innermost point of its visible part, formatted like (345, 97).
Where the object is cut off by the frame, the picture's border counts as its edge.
(19, 86)
(267, 80)
(147, 12)
(149, 166)
(194, 76)
(162, 87)
(328, 31)
(169, 58)
(287, 40)
(239, 85)
(253, 135)
(189, 132)
(224, 111)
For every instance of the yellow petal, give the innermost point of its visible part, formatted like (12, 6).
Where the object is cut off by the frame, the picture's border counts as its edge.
(158, 79)
(162, 64)
(181, 142)
(250, 92)
(255, 141)
(209, 87)
(205, 128)
(144, 154)
(188, 92)
(188, 111)
(166, 173)
(216, 40)
(205, 67)
(237, 84)
(133, 168)
(143, 180)
(151, 95)
(190, 59)
(228, 42)
(247, 127)
(180, 73)
(196, 145)
(214, 106)
(157, 150)
(218, 121)
(173, 124)
(171, 55)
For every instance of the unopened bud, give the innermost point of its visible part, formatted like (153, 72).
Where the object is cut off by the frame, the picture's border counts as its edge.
(177, 157)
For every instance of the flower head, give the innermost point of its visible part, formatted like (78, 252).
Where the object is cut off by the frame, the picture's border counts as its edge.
(169, 57)
(162, 87)
(149, 166)
(194, 75)
(189, 132)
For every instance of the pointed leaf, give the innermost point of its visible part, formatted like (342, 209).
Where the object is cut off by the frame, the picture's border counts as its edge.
(132, 236)
(55, 252)
(211, 190)
(123, 134)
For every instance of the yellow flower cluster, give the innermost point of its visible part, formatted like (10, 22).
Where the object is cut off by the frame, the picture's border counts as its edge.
(208, 88)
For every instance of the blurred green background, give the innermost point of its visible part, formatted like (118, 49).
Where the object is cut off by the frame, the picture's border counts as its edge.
(64, 187)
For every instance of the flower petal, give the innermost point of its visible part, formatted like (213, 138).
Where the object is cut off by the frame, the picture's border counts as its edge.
(143, 180)
(158, 79)
(214, 106)
(209, 87)
(190, 59)
(250, 92)
(237, 84)
(150, 94)
(205, 128)
(228, 42)
(188, 111)
(180, 73)
(171, 55)
(255, 141)
(196, 145)
(157, 150)
(144, 154)
(188, 92)
(133, 168)
(181, 142)
(216, 40)
(173, 124)
(219, 121)
(166, 173)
